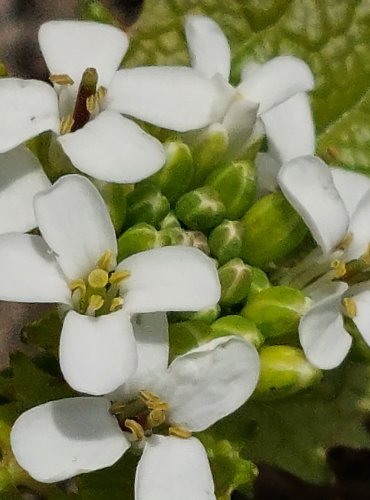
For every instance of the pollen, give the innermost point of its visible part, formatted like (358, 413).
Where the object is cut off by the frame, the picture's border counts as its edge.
(78, 284)
(350, 307)
(98, 278)
(66, 124)
(61, 79)
(118, 276)
(135, 428)
(156, 418)
(116, 304)
(95, 303)
(91, 103)
(179, 432)
(339, 268)
(105, 261)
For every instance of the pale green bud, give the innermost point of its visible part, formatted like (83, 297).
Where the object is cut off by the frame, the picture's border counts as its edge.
(207, 316)
(237, 325)
(115, 199)
(276, 311)
(187, 335)
(209, 152)
(199, 240)
(176, 177)
(259, 282)
(139, 238)
(93, 10)
(146, 204)
(236, 186)
(235, 278)
(225, 241)
(177, 236)
(271, 230)
(200, 209)
(284, 371)
(170, 221)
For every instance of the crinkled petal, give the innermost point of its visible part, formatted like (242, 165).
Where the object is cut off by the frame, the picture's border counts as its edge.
(362, 316)
(28, 107)
(308, 185)
(239, 122)
(208, 46)
(321, 332)
(267, 173)
(61, 439)
(276, 81)
(29, 273)
(69, 47)
(175, 97)
(210, 382)
(352, 186)
(169, 279)
(359, 229)
(114, 149)
(21, 178)
(75, 223)
(174, 469)
(97, 354)
(289, 128)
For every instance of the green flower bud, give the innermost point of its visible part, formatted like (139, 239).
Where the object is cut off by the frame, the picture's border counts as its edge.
(176, 236)
(284, 371)
(93, 10)
(237, 325)
(207, 316)
(259, 282)
(139, 238)
(176, 176)
(276, 311)
(236, 186)
(115, 199)
(271, 230)
(187, 335)
(209, 151)
(146, 204)
(200, 209)
(198, 240)
(225, 241)
(170, 221)
(235, 278)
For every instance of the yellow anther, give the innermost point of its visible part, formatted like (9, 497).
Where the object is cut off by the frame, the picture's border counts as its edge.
(155, 404)
(135, 428)
(179, 432)
(98, 278)
(66, 124)
(78, 284)
(118, 276)
(339, 268)
(101, 93)
(156, 418)
(61, 79)
(105, 261)
(148, 396)
(91, 103)
(345, 241)
(116, 304)
(95, 303)
(117, 408)
(350, 307)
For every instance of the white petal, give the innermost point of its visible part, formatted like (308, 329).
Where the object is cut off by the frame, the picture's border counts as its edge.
(69, 47)
(29, 273)
(362, 317)
(177, 98)
(60, 439)
(28, 107)
(174, 469)
(210, 382)
(169, 279)
(359, 229)
(289, 128)
(97, 355)
(208, 46)
(321, 332)
(352, 186)
(75, 223)
(114, 149)
(21, 178)
(308, 185)
(277, 80)
(239, 122)
(267, 172)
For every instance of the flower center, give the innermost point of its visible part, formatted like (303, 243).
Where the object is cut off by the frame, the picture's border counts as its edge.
(144, 416)
(98, 294)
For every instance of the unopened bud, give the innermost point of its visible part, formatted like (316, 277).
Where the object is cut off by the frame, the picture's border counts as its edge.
(259, 282)
(235, 278)
(115, 199)
(176, 236)
(225, 241)
(139, 238)
(199, 240)
(146, 204)
(200, 209)
(186, 335)
(209, 151)
(207, 316)
(170, 221)
(237, 325)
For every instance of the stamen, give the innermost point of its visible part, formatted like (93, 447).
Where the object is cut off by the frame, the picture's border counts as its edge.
(136, 429)
(156, 418)
(91, 103)
(148, 396)
(98, 278)
(117, 408)
(118, 276)
(61, 79)
(105, 260)
(101, 93)
(78, 284)
(116, 304)
(345, 241)
(339, 268)
(95, 303)
(66, 124)
(179, 432)
(350, 307)
(366, 256)
(157, 405)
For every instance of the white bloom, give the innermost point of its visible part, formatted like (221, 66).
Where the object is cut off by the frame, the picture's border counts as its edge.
(74, 263)
(195, 391)
(102, 143)
(262, 88)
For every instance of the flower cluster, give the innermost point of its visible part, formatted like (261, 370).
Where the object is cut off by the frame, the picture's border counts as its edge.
(208, 237)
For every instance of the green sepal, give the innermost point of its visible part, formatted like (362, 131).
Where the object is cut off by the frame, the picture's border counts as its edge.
(200, 209)
(284, 371)
(271, 230)
(139, 238)
(115, 199)
(235, 183)
(277, 311)
(207, 316)
(225, 241)
(238, 325)
(175, 178)
(235, 278)
(147, 204)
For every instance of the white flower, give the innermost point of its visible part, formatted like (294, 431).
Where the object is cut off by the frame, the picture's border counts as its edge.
(61, 439)
(74, 263)
(262, 87)
(102, 143)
